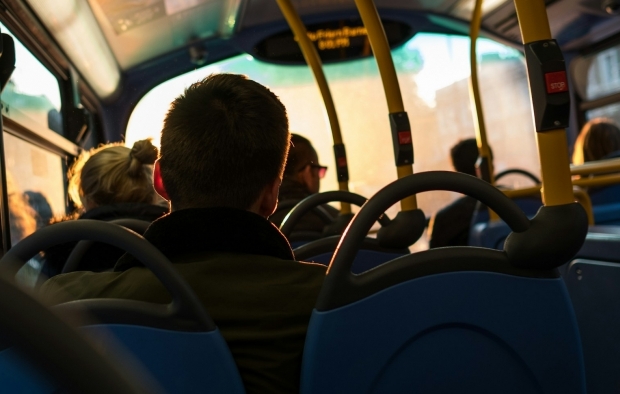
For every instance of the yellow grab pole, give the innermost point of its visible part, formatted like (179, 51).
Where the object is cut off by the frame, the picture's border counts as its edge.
(381, 50)
(314, 62)
(485, 162)
(552, 144)
(474, 90)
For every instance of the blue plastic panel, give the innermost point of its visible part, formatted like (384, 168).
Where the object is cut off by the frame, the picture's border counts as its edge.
(474, 332)
(594, 287)
(182, 362)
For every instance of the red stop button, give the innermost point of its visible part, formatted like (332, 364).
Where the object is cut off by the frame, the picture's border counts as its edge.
(342, 162)
(556, 82)
(404, 137)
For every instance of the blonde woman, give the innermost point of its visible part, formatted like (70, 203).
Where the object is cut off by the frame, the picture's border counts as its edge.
(107, 183)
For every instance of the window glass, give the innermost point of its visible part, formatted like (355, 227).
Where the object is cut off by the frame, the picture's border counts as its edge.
(35, 179)
(597, 75)
(609, 111)
(434, 74)
(32, 94)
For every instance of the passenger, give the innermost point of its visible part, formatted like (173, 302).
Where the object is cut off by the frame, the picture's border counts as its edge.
(223, 147)
(450, 226)
(110, 182)
(598, 139)
(302, 177)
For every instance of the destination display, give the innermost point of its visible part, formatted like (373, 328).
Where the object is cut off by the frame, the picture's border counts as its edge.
(335, 41)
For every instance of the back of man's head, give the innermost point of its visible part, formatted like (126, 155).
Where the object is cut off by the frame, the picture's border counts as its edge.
(464, 156)
(224, 140)
(300, 155)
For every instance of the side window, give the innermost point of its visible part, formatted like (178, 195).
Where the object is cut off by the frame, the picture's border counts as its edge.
(32, 95)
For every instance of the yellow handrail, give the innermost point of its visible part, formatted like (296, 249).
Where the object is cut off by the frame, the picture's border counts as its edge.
(314, 61)
(476, 103)
(381, 50)
(552, 145)
(595, 181)
(596, 167)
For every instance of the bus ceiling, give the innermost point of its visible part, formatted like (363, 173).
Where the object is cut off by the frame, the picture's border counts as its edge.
(116, 36)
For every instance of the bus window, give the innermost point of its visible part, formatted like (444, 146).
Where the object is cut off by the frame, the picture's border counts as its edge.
(597, 76)
(433, 71)
(35, 179)
(32, 95)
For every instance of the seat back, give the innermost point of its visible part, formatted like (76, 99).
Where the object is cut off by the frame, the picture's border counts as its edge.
(183, 362)
(370, 256)
(486, 329)
(592, 280)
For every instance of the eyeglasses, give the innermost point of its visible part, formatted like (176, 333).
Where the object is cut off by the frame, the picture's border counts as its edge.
(322, 169)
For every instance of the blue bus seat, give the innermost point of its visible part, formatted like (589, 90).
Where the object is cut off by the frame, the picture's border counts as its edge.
(180, 361)
(529, 205)
(593, 288)
(460, 331)
(490, 235)
(371, 255)
(364, 261)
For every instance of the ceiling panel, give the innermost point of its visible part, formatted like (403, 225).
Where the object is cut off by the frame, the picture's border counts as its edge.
(140, 30)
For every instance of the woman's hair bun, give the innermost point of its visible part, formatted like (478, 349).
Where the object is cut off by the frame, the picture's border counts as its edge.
(144, 151)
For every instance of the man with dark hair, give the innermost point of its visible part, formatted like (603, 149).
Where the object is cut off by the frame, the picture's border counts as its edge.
(450, 226)
(223, 147)
(302, 177)
(464, 156)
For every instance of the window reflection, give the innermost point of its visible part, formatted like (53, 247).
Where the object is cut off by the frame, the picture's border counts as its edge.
(35, 180)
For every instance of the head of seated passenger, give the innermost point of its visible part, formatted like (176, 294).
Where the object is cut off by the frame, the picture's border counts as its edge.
(303, 173)
(464, 156)
(223, 144)
(598, 139)
(114, 174)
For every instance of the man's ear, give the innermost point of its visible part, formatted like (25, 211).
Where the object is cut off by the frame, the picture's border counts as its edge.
(158, 182)
(269, 199)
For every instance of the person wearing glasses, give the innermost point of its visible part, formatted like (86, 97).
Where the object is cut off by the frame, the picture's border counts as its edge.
(302, 177)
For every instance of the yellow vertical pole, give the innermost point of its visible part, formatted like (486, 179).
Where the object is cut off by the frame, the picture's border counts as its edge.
(552, 144)
(381, 49)
(314, 62)
(476, 103)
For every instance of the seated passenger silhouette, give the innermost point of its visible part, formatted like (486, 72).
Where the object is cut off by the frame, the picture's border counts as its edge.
(223, 147)
(302, 177)
(110, 182)
(450, 225)
(598, 139)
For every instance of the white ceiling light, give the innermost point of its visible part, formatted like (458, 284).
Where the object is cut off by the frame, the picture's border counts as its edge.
(73, 25)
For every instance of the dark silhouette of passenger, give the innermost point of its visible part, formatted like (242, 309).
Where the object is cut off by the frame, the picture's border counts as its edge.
(223, 148)
(598, 139)
(450, 226)
(41, 206)
(302, 177)
(110, 182)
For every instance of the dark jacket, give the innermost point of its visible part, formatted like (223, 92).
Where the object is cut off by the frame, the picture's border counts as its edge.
(100, 257)
(311, 224)
(450, 226)
(242, 269)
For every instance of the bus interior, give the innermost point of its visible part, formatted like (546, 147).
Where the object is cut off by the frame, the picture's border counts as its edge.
(399, 82)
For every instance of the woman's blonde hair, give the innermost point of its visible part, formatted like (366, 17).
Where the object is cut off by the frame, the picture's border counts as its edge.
(113, 173)
(597, 139)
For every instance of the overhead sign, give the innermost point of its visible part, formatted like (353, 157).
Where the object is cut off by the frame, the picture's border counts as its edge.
(335, 41)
